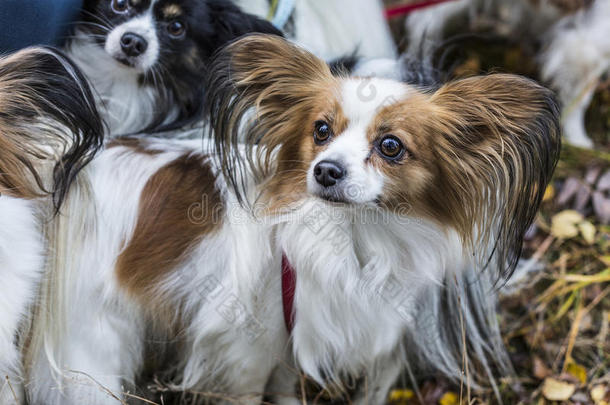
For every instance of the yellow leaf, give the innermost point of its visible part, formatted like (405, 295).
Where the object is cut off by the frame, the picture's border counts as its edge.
(549, 193)
(400, 396)
(577, 371)
(587, 230)
(450, 398)
(605, 260)
(598, 393)
(555, 390)
(564, 224)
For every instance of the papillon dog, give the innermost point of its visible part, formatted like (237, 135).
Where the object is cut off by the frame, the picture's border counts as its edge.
(332, 226)
(147, 59)
(574, 51)
(331, 29)
(49, 129)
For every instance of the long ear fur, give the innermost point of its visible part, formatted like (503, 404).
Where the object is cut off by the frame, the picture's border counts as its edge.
(274, 77)
(499, 143)
(49, 126)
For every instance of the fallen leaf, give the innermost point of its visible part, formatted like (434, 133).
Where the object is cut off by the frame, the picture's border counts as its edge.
(450, 398)
(598, 393)
(549, 193)
(555, 390)
(577, 371)
(564, 224)
(587, 230)
(400, 396)
(540, 370)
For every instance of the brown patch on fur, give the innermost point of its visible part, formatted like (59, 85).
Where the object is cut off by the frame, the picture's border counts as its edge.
(19, 176)
(138, 145)
(407, 179)
(289, 182)
(172, 11)
(48, 126)
(178, 207)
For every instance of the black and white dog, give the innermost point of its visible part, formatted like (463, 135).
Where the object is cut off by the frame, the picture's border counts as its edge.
(146, 58)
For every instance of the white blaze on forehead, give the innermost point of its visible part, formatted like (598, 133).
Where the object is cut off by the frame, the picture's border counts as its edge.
(143, 25)
(362, 99)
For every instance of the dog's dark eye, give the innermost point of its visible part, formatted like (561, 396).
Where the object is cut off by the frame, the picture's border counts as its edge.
(391, 148)
(120, 6)
(322, 133)
(176, 28)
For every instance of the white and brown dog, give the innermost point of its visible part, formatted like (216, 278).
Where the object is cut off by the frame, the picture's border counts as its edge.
(380, 204)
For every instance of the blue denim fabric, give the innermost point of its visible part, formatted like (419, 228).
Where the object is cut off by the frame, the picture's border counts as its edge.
(35, 22)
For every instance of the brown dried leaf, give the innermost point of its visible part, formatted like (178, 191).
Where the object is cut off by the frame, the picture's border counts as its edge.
(540, 370)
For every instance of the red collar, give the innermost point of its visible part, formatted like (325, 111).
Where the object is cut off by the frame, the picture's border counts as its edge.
(289, 284)
(408, 8)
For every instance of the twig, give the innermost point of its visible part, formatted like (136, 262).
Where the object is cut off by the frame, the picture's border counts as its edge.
(10, 387)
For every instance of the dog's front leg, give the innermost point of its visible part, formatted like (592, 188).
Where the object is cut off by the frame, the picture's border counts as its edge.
(379, 381)
(283, 385)
(21, 262)
(95, 358)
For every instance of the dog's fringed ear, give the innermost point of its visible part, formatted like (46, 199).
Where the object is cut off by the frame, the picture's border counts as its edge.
(498, 140)
(49, 125)
(259, 89)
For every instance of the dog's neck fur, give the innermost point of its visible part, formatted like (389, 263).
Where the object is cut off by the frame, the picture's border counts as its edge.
(127, 104)
(359, 272)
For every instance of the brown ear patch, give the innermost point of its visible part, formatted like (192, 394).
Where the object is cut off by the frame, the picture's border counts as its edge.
(286, 85)
(178, 207)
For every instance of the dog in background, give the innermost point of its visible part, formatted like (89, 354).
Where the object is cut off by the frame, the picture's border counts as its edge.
(575, 50)
(331, 29)
(147, 59)
(396, 208)
(49, 130)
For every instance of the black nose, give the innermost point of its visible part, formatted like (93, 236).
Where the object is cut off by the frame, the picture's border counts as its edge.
(328, 173)
(133, 44)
